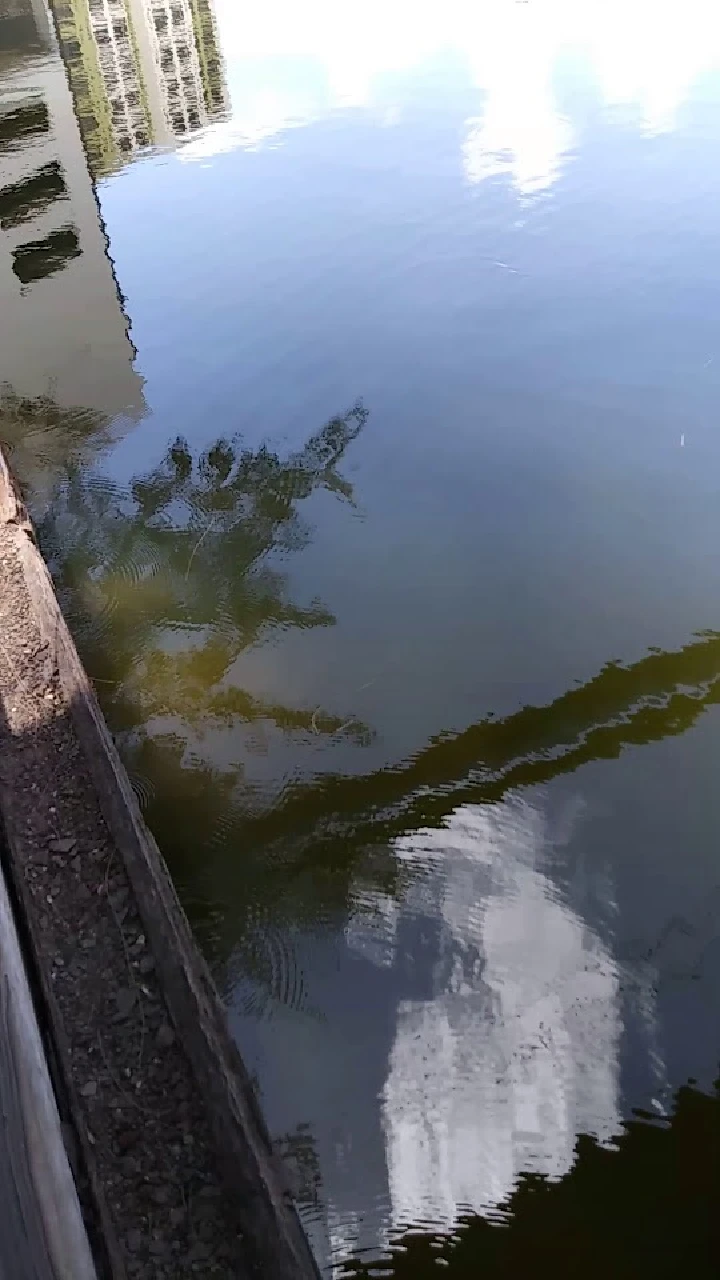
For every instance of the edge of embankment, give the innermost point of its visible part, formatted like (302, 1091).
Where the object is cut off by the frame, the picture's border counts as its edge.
(252, 1172)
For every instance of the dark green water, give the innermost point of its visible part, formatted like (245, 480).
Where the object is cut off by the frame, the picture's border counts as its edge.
(362, 369)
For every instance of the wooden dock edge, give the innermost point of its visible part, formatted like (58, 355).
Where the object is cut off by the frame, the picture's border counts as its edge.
(42, 1233)
(265, 1210)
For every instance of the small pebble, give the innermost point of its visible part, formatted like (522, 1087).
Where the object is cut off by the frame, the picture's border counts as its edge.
(125, 1140)
(125, 1000)
(209, 1193)
(134, 1240)
(90, 1089)
(165, 1036)
(63, 846)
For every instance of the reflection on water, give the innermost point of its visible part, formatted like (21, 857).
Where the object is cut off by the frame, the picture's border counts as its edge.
(142, 72)
(421, 703)
(316, 60)
(494, 1008)
(513, 1051)
(63, 331)
(661, 695)
(645, 1207)
(167, 584)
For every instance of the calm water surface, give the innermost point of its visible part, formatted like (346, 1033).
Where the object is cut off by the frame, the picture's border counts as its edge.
(362, 364)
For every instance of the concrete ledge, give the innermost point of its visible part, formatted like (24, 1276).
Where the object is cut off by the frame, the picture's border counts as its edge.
(266, 1215)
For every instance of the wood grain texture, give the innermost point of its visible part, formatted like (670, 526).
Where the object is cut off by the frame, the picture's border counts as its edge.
(42, 1236)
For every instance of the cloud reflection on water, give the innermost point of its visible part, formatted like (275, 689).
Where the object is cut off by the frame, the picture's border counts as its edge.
(289, 67)
(514, 1049)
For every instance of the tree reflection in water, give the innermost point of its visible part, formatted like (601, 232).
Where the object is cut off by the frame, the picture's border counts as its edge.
(167, 583)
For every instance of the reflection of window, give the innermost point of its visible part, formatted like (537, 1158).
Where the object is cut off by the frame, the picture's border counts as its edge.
(20, 123)
(40, 259)
(26, 199)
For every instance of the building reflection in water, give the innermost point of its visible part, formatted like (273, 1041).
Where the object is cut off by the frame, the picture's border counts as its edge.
(63, 330)
(142, 72)
(139, 72)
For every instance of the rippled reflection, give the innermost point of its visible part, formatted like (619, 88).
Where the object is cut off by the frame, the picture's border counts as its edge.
(510, 1048)
(662, 695)
(481, 1000)
(514, 1050)
(647, 1207)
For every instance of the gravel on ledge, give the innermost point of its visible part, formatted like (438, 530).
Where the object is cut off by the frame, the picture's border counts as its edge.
(138, 1117)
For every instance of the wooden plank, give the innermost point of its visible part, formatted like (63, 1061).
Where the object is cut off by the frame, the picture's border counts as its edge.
(265, 1211)
(42, 1235)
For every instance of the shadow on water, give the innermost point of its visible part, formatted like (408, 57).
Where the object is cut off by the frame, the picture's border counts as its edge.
(648, 1206)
